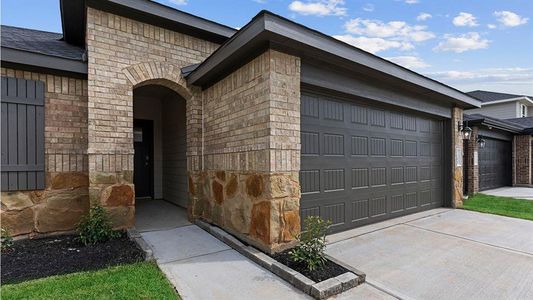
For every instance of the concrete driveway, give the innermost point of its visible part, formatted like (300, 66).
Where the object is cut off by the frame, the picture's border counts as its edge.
(514, 192)
(443, 254)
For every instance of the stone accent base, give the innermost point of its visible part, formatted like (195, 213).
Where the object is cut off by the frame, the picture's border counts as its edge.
(457, 149)
(261, 208)
(56, 209)
(116, 193)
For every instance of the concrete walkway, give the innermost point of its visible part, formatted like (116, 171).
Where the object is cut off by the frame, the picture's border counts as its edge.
(199, 265)
(513, 192)
(202, 267)
(443, 254)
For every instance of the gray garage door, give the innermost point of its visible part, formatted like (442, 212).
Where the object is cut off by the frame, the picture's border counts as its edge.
(495, 164)
(363, 164)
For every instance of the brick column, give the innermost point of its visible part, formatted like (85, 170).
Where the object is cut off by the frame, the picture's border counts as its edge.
(522, 158)
(249, 184)
(457, 157)
(472, 164)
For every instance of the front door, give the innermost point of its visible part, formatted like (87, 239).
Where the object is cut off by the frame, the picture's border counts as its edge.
(143, 145)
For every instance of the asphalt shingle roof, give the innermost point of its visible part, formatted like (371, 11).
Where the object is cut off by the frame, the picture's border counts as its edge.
(477, 117)
(486, 96)
(524, 122)
(36, 41)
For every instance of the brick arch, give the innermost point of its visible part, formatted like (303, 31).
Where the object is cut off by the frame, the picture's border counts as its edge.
(165, 74)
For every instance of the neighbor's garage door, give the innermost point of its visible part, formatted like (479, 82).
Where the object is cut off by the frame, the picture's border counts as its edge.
(362, 164)
(495, 164)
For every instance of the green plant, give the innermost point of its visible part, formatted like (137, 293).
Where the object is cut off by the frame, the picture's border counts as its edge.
(6, 241)
(95, 227)
(312, 243)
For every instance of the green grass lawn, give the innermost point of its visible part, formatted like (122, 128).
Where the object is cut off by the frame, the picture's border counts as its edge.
(136, 281)
(510, 207)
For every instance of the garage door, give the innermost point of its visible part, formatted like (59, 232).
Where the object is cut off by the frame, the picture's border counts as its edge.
(495, 164)
(363, 164)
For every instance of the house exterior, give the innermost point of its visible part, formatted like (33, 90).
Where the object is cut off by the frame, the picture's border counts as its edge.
(498, 154)
(502, 105)
(249, 129)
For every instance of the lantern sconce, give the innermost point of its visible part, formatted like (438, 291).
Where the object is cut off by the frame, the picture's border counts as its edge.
(466, 131)
(481, 143)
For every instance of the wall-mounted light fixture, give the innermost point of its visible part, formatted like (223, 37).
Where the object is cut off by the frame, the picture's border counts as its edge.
(481, 143)
(466, 131)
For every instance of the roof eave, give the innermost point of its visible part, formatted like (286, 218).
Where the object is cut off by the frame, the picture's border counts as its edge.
(39, 60)
(267, 28)
(167, 17)
(496, 124)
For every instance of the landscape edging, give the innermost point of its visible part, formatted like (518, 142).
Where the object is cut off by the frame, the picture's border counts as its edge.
(318, 290)
(135, 236)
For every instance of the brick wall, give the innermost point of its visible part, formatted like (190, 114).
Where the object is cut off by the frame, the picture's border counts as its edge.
(457, 150)
(65, 198)
(123, 54)
(522, 160)
(472, 170)
(250, 183)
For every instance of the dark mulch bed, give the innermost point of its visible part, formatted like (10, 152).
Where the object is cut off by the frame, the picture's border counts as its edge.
(31, 259)
(330, 270)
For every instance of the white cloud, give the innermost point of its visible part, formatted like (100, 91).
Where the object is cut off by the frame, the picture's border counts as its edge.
(491, 26)
(396, 30)
(368, 7)
(411, 1)
(319, 7)
(461, 43)
(410, 62)
(373, 44)
(465, 19)
(178, 2)
(509, 80)
(423, 16)
(510, 19)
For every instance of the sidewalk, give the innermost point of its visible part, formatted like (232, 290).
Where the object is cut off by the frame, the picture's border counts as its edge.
(202, 267)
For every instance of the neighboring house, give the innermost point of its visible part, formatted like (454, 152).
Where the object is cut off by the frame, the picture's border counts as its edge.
(498, 154)
(249, 129)
(501, 105)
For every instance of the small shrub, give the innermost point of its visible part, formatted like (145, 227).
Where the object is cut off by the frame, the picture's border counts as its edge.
(312, 243)
(6, 241)
(95, 227)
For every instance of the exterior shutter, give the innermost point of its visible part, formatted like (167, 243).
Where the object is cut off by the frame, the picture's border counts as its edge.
(22, 134)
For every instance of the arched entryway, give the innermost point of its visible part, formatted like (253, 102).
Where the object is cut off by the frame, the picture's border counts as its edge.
(160, 159)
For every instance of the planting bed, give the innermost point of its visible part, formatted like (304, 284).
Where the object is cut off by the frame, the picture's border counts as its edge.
(31, 259)
(330, 269)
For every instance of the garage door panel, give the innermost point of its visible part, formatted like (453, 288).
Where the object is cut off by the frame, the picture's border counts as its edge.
(495, 164)
(362, 164)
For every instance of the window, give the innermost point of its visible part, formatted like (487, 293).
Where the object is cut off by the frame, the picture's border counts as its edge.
(22, 134)
(523, 111)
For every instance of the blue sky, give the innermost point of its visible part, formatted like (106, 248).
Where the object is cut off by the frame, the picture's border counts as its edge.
(476, 44)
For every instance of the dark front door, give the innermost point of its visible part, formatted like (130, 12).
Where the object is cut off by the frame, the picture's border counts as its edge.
(143, 145)
(495, 164)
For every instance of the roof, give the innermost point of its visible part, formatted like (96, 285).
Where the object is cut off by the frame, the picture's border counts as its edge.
(526, 122)
(269, 30)
(36, 41)
(149, 12)
(487, 96)
(506, 125)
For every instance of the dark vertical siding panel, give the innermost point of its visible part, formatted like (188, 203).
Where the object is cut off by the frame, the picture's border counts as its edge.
(22, 134)
(12, 144)
(22, 148)
(4, 136)
(39, 117)
(32, 144)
